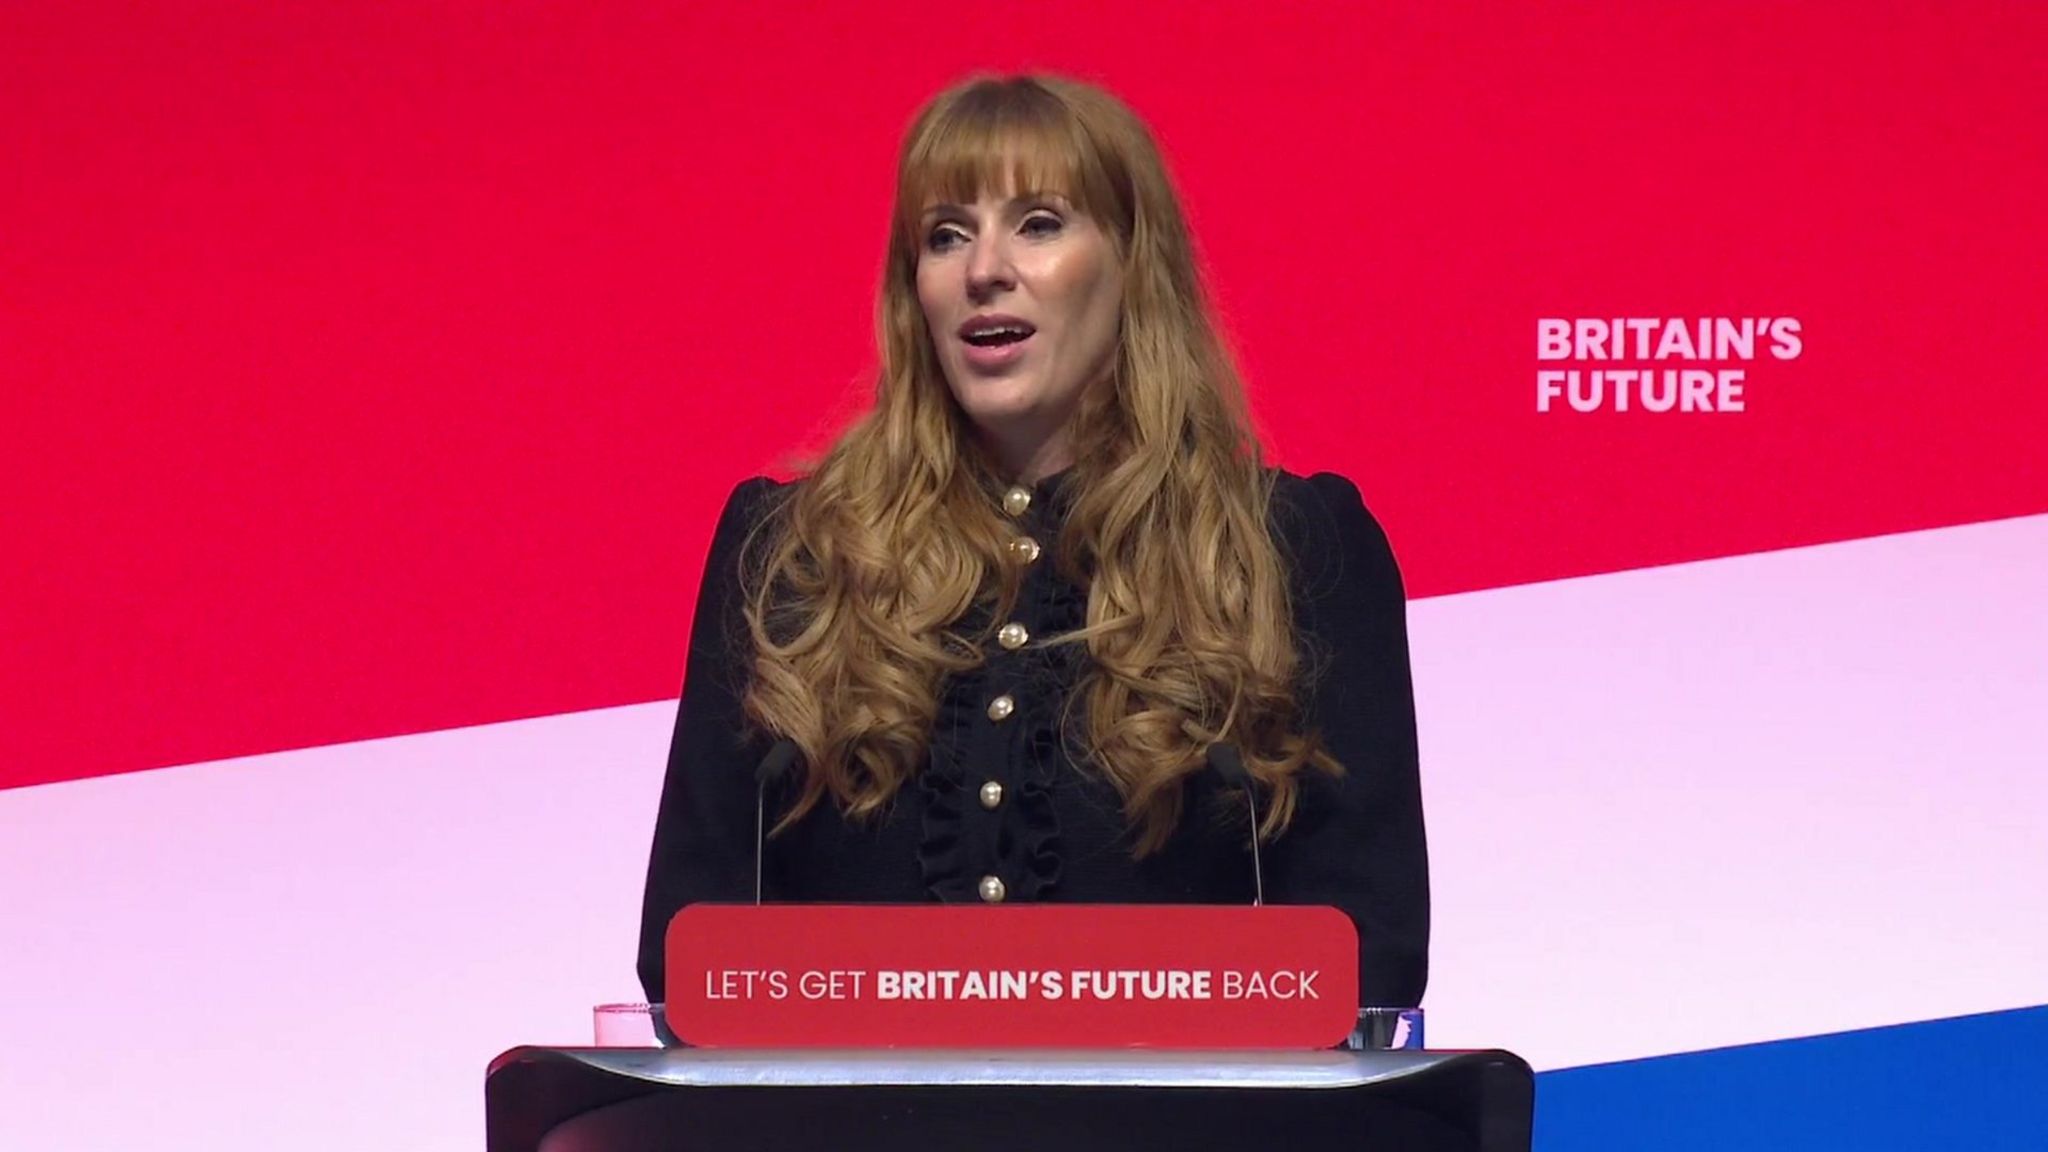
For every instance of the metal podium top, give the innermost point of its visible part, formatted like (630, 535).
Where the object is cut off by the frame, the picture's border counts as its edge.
(731, 1067)
(1017, 1100)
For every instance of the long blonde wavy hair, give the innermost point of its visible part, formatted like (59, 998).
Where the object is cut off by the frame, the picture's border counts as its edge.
(859, 585)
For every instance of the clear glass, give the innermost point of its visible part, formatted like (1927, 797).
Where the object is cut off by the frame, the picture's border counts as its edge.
(625, 1025)
(1386, 1029)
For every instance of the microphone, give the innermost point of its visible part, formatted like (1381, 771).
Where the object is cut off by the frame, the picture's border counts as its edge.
(1227, 762)
(772, 768)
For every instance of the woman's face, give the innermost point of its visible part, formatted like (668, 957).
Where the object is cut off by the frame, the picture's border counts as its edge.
(1022, 293)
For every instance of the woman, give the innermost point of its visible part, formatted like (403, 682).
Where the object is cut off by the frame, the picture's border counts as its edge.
(1006, 618)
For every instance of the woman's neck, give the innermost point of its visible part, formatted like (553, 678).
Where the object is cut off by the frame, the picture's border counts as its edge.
(1027, 464)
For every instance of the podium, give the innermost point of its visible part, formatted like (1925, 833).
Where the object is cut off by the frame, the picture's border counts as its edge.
(729, 1100)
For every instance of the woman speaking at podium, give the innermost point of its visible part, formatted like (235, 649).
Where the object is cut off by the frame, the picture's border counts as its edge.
(1021, 632)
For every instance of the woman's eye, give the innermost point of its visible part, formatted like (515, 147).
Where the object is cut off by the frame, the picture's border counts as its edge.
(1042, 224)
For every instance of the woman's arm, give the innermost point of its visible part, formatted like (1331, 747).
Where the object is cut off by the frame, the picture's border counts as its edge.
(1357, 841)
(704, 829)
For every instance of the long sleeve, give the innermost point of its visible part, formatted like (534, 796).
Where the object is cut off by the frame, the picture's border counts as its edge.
(1357, 842)
(704, 829)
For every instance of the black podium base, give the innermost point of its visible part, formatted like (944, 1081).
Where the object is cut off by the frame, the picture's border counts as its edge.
(699, 1100)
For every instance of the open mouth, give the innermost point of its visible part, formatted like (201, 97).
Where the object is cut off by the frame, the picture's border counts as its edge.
(998, 337)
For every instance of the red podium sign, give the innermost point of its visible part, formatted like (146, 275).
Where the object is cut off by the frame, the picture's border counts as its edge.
(1024, 976)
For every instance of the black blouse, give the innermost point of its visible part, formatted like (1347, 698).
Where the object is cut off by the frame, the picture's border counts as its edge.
(1000, 812)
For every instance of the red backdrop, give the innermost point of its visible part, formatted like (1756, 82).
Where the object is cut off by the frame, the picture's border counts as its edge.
(377, 369)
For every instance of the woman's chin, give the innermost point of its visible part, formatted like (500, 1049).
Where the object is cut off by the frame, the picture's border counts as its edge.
(989, 402)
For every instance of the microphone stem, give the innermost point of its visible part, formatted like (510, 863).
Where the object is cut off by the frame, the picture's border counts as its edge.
(760, 838)
(1258, 873)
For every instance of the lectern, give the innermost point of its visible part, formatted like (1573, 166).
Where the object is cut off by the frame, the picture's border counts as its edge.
(727, 1100)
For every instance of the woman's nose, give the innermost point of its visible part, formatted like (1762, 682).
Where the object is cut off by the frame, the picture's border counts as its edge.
(988, 265)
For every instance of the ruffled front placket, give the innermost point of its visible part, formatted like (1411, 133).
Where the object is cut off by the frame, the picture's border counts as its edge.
(991, 828)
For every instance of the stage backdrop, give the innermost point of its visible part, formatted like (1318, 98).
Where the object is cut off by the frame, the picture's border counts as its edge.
(371, 375)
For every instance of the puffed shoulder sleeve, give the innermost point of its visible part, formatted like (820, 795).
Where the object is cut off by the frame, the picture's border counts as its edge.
(1357, 840)
(704, 828)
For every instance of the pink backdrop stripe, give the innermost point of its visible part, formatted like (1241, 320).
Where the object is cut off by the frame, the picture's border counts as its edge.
(1713, 803)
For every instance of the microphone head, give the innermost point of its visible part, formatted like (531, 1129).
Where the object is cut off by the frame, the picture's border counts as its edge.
(1226, 761)
(776, 762)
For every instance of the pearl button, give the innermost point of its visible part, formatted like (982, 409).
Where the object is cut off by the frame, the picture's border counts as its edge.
(992, 890)
(1016, 500)
(991, 795)
(999, 709)
(1012, 636)
(1024, 550)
